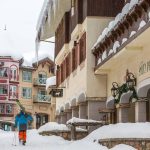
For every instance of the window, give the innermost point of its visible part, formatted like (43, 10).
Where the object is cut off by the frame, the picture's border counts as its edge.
(4, 72)
(27, 76)
(9, 108)
(68, 65)
(2, 108)
(13, 73)
(13, 91)
(42, 78)
(82, 52)
(74, 58)
(3, 89)
(26, 93)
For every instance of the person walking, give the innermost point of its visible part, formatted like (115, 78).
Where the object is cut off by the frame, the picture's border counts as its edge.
(21, 123)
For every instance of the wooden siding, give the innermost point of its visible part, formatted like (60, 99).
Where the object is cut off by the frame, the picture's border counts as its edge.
(104, 8)
(62, 33)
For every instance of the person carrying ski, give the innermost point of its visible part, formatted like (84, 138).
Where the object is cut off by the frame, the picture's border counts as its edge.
(21, 122)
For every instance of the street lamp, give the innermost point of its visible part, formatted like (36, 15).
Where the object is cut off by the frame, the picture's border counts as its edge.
(130, 80)
(114, 89)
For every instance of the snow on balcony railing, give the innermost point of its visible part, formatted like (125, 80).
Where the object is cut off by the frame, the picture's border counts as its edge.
(104, 55)
(132, 33)
(142, 24)
(115, 46)
(117, 19)
(110, 52)
(124, 40)
(50, 82)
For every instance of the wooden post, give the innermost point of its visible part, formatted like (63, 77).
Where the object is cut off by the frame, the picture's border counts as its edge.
(73, 132)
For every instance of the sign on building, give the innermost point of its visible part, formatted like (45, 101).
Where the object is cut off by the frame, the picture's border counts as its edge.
(57, 92)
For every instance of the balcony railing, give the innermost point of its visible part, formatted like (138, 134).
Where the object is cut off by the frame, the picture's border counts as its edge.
(41, 98)
(40, 81)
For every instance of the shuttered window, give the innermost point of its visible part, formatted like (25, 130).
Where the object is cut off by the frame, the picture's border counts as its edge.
(74, 58)
(68, 65)
(82, 48)
(58, 75)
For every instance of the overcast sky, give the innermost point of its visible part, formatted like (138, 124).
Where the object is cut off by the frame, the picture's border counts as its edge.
(20, 18)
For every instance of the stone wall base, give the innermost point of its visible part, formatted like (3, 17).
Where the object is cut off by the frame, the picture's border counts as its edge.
(138, 143)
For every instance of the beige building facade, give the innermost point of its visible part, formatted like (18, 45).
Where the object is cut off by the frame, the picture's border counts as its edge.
(32, 88)
(76, 31)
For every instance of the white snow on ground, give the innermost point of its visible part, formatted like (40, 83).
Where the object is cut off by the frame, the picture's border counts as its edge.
(122, 130)
(38, 142)
(122, 147)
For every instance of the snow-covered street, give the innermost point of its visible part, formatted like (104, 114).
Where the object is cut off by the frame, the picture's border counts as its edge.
(38, 142)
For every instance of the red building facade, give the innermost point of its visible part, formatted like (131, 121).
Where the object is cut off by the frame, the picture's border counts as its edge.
(9, 80)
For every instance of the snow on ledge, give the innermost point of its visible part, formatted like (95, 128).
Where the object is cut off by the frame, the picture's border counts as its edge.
(110, 52)
(123, 147)
(78, 120)
(54, 126)
(50, 82)
(149, 15)
(99, 61)
(115, 46)
(124, 40)
(142, 24)
(132, 33)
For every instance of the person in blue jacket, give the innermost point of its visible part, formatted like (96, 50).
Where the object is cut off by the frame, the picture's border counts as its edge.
(21, 122)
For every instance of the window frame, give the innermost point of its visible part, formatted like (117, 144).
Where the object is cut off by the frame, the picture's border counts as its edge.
(27, 76)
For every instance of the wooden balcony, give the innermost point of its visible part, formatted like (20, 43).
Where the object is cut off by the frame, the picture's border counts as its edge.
(41, 98)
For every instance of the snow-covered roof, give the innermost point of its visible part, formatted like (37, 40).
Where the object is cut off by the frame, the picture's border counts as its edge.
(50, 82)
(50, 17)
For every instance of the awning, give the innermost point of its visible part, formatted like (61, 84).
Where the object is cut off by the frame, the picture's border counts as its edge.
(50, 82)
(50, 17)
(125, 97)
(81, 97)
(67, 106)
(110, 103)
(73, 102)
(143, 87)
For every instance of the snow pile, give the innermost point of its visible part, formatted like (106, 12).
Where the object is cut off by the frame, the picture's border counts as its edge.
(124, 40)
(142, 24)
(149, 15)
(99, 61)
(122, 147)
(77, 120)
(132, 33)
(110, 52)
(53, 126)
(50, 82)
(104, 55)
(115, 46)
(121, 130)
